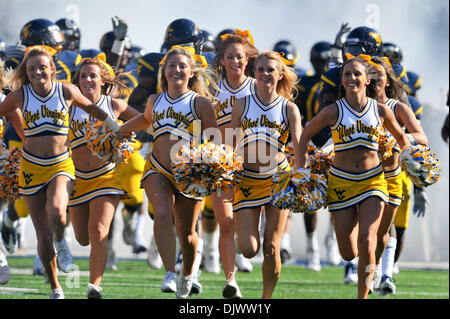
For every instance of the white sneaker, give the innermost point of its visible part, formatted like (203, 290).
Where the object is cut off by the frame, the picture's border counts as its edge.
(313, 260)
(94, 292)
(387, 286)
(5, 272)
(153, 258)
(184, 286)
(197, 287)
(57, 294)
(38, 268)
(377, 277)
(211, 263)
(231, 289)
(243, 264)
(333, 255)
(169, 282)
(63, 256)
(351, 274)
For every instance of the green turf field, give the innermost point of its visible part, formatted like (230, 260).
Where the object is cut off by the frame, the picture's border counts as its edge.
(134, 280)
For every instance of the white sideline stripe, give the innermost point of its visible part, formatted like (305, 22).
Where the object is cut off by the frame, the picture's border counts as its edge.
(28, 271)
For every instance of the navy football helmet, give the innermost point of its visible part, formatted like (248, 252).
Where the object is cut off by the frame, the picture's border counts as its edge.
(288, 52)
(183, 32)
(392, 52)
(320, 55)
(71, 33)
(107, 41)
(363, 40)
(41, 32)
(208, 41)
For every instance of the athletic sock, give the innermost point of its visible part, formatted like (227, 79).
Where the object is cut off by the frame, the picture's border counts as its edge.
(387, 261)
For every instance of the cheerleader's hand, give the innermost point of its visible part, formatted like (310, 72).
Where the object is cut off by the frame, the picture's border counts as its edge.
(420, 202)
(120, 133)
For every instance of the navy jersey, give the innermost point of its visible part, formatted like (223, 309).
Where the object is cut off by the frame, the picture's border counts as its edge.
(148, 66)
(307, 98)
(130, 78)
(400, 70)
(330, 82)
(66, 63)
(416, 106)
(209, 56)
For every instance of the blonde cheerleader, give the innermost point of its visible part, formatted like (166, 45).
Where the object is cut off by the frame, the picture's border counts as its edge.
(183, 108)
(46, 168)
(265, 119)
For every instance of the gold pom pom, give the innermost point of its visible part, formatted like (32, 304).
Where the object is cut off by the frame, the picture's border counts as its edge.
(200, 170)
(9, 172)
(105, 144)
(421, 164)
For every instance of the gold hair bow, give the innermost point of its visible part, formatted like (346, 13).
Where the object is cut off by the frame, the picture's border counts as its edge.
(242, 33)
(366, 58)
(200, 59)
(102, 58)
(50, 50)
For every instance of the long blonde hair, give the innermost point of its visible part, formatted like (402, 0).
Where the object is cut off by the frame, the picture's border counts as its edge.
(18, 76)
(286, 87)
(2, 76)
(200, 82)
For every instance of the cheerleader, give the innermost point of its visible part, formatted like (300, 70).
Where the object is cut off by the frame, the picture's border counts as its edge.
(265, 119)
(234, 67)
(387, 89)
(357, 189)
(175, 114)
(46, 167)
(5, 273)
(97, 189)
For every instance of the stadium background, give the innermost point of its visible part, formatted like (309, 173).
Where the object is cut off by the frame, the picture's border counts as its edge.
(419, 27)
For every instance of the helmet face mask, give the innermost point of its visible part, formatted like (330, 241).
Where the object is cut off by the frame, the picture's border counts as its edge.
(71, 33)
(393, 52)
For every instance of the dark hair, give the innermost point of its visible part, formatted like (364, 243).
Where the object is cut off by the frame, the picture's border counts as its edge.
(396, 87)
(250, 51)
(370, 72)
